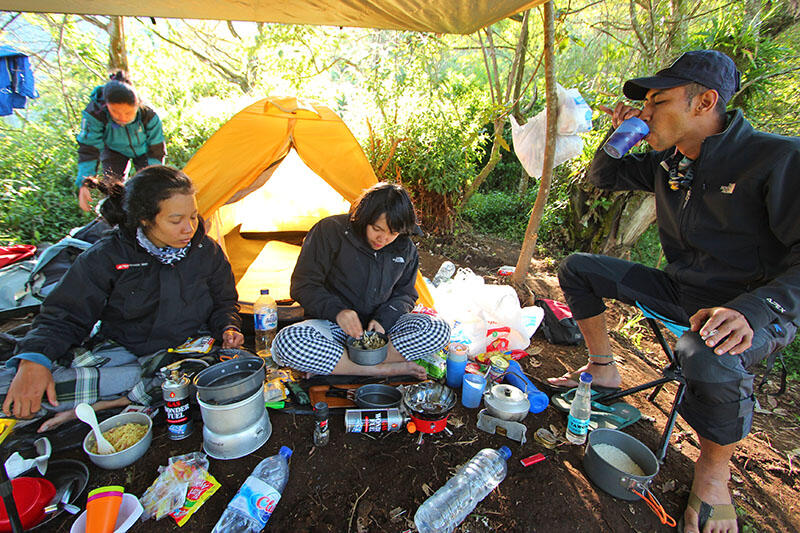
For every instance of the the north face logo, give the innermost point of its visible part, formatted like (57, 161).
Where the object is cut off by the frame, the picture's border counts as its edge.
(399, 259)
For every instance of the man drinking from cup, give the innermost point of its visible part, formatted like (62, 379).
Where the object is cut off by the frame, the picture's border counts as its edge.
(727, 199)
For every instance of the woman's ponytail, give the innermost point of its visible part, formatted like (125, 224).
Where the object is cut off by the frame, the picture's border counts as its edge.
(111, 207)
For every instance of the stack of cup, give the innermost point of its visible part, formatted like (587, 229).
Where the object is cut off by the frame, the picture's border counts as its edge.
(102, 508)
(456, 363)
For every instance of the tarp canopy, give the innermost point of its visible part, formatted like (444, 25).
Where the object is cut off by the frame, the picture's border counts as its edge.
(269, 174)
(438, 16)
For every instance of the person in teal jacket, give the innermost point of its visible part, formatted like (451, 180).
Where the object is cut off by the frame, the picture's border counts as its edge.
(116, 129)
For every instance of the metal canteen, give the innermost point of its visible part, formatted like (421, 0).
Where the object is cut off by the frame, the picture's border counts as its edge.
(506, 402)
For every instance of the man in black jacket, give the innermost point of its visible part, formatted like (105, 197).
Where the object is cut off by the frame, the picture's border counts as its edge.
(727, 199)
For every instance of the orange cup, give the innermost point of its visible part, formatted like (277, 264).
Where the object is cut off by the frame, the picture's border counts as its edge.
(102, 508)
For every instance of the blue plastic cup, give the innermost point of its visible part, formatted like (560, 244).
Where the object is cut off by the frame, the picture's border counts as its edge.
(626, 136)
(455, 372)
(472, 390)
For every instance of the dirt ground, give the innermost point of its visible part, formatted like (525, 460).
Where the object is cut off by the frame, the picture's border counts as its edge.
(360, 483)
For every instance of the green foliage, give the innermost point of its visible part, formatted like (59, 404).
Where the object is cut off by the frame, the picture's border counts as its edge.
(499, 213)
(791, 356)
(37, 170)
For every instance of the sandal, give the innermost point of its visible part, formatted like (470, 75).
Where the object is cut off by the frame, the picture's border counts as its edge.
(707, 512)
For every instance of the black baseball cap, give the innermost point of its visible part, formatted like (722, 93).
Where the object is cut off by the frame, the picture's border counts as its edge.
(710, 68)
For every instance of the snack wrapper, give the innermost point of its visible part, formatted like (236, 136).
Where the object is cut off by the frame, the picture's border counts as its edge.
(195, 497)
(168, 491)
(195, 345)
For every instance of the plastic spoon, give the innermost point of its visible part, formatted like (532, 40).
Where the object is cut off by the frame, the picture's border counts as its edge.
(85, 412)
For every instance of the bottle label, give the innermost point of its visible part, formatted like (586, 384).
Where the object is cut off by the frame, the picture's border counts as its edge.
(576, 426)
(266, 319)
(256, 499)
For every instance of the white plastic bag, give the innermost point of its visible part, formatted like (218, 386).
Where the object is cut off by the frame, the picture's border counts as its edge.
(529, 139)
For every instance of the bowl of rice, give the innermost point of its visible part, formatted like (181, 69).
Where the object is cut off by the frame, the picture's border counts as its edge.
(129, 433)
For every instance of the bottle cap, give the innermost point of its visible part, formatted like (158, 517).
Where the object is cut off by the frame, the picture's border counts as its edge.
(321, 410)
(285, 451)
(264, 291)
(505, 451)
(586, 377)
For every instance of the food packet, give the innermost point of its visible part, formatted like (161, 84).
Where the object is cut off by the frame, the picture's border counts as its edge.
(194, 345)
(195, 497)
(168, 491)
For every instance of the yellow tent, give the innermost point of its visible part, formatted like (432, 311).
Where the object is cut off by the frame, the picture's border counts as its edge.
(269, 174)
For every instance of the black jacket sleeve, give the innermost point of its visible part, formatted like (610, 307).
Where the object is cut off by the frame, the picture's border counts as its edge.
(64, 320)
(308, 278)
(404, 295)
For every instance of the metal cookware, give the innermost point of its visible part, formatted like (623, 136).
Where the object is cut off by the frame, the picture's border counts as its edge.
(234, 430)
(429, 404)
(610, 478)
(361, 356)
(230, 381)
(506, 402)
(377, 396)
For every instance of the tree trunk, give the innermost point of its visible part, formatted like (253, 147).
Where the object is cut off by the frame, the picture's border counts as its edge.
(117, 53)
(529, 244)
(633, 226)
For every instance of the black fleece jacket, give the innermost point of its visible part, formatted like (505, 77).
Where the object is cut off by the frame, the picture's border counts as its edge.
(144, 305)
(733, 239)
(338, 270)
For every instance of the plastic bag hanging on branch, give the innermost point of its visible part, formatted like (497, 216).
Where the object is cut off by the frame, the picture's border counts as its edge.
(574, 116)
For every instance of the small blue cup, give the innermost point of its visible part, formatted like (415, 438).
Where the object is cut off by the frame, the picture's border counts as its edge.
(625, 137)
(472, 390)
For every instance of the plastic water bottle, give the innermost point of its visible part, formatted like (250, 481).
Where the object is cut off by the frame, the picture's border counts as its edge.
(451, 504)
(256, 499)
(445, 272)
(580, 411)
(265, 314)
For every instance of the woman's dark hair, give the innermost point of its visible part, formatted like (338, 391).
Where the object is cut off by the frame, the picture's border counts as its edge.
(384, 198)
(119, 90)
(139, 198)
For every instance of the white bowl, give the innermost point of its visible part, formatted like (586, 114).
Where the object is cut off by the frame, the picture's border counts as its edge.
(113, 461)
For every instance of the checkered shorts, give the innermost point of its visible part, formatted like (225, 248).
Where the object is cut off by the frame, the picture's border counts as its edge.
(317, 345)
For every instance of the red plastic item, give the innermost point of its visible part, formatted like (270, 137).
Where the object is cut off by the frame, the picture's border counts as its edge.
(31, 495)
(533, 459)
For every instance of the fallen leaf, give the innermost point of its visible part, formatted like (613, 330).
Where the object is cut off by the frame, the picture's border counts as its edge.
(737, 479)
(772, 402)
(426, 489)
(668, 486)
(396, 514)
(536, 350)
(780, 411)
(535, 363)
(455, 421)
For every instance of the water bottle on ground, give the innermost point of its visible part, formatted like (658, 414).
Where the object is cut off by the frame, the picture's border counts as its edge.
(580, 411)
(265, 314)
(445, 272)
(451, 504)
(252, 506)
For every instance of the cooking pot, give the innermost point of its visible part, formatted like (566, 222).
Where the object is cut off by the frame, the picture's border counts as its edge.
(230, 381)
(377, 396)
(428, 404)
(506, 402)
(361, 356)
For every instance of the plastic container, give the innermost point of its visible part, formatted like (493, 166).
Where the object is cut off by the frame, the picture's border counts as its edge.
(445, 272)
(625, 137)
(250, 509)
(580, 411)
(472, 390)
(451, 504)
(515, 376)
(265, 316)
(129, 512)
(456, 363)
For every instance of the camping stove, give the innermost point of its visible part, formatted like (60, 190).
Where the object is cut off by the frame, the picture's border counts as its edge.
(428, 405)
(235, 430)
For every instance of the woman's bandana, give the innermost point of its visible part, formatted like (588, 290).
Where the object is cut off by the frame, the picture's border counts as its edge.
(166, 255)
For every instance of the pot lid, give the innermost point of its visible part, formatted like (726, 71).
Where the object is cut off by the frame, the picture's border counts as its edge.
(507, 398)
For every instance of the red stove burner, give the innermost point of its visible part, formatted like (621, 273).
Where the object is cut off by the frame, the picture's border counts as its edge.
(428, 404)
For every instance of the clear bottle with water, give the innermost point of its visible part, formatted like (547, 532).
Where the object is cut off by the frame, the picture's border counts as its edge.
(445, 272)
(452, 503)
(256, 499)
(265, 315)
(580, 411)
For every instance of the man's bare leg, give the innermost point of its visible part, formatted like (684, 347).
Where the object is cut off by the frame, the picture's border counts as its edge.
(711, 474)
(595, 334)
(65, 416)
(394, 365)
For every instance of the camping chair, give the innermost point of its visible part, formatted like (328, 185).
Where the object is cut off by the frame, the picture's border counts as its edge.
(671, 372)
